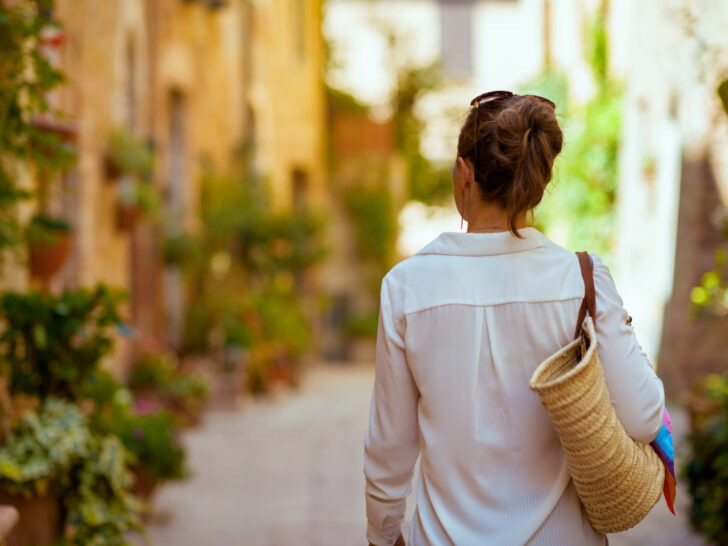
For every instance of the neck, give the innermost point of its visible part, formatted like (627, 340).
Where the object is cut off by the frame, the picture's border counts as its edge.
(487, 217)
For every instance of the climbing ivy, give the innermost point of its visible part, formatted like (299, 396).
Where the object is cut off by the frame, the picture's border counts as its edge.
(27, 76)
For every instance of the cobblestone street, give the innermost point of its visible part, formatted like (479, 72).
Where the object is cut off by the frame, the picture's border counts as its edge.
(288, 470)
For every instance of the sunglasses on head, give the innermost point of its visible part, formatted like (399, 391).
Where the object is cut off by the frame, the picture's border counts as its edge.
(490, 96)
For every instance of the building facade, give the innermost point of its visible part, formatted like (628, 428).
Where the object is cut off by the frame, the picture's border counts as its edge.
(194, 80)
(672, 182)
(673, 187)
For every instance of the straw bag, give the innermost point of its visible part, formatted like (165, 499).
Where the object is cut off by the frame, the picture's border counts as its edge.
(617, 479)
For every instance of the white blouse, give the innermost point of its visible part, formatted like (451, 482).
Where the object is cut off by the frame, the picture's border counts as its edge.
(462, 326)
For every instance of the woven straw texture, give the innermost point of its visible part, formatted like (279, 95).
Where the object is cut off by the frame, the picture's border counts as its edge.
(617, 479)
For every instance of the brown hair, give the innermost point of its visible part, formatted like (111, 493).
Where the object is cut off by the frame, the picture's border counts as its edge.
(518, 139)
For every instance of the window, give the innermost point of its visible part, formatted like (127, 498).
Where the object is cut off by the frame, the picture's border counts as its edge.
(300, 190)
(130, 85)
(299, 29)
(177, 165)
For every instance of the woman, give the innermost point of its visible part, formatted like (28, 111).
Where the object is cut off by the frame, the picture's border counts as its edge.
(462, 326)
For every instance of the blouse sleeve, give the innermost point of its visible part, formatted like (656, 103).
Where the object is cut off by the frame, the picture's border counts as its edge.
(637, 393)
(391, 444)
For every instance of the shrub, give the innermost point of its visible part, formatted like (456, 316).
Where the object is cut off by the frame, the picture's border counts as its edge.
(707, 469)
(150, 439)
(129, 154)
(53, 450)
(246, 271)
(182, 391)
(52, 344)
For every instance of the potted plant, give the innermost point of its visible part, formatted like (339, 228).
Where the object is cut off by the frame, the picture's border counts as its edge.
(41, 447)
(157, 379)
(151, 439)
(127, 211)
(51, 455)
(154, 444)
(135, 198)
(49, 244)
(51, 344)
(127, 154)
(178, 249)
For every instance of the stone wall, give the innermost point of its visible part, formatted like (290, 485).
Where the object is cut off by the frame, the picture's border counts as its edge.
(693, 346)
(194, 79)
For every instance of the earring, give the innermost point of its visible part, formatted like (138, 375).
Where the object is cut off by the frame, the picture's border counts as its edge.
(462, 210)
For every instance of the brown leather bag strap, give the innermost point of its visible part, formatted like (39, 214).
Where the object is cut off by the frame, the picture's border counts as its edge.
(589, 303)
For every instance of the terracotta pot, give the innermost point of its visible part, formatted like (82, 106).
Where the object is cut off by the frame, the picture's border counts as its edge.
(41, 520)
(226, 388)
(126, 217)
(47, 258)
(189, 413)
(144, 486)
(281, 371)
(66, 130)
(111, 171)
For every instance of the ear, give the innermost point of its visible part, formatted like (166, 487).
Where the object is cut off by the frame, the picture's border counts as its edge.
(465, 172)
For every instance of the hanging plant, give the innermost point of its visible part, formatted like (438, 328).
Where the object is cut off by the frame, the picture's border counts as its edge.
(49, 244)
(128, 154)
(136, 199)
(27, 77)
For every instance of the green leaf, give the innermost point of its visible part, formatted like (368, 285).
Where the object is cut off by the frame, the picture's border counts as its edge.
(723, 94)
(39, 336)
(698, 295)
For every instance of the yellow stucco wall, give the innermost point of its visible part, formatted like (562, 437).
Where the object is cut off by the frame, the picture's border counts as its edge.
(287, 95)
(179, 47)
(133, 63)
(251, 63)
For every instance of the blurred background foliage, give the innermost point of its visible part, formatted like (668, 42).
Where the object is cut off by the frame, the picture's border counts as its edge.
(579, 205)
(706, 471)
(27, 76)
(98, 443)
(73, 445)
(246, 268)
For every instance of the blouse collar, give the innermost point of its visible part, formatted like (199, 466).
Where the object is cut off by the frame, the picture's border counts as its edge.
(483, 244)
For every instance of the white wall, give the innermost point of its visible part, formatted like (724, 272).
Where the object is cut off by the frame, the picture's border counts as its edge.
(507, 51)
(670, 76)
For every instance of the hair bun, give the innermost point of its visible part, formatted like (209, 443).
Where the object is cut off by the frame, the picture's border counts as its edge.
(518, 140)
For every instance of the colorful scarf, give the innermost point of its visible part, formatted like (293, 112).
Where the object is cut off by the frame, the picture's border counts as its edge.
(664, 447)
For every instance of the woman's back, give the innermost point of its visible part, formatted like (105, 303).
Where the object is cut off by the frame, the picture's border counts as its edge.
(463, 324)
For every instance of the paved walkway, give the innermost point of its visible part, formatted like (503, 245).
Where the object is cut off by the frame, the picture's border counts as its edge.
(289, 471)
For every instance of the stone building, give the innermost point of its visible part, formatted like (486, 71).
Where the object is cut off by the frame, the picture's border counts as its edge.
(673, 177)
(194, 79)
(673, 173)
(286, 98)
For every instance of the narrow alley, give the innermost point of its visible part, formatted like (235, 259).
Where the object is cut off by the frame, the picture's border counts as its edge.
(288, 470)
